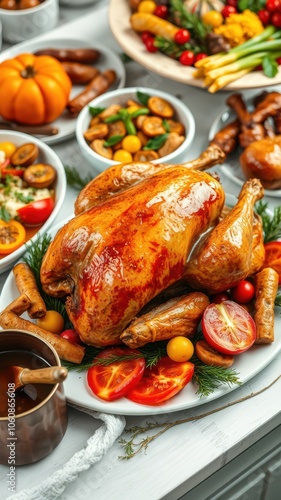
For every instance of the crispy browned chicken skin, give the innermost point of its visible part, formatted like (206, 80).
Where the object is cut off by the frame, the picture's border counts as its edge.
(114, 258)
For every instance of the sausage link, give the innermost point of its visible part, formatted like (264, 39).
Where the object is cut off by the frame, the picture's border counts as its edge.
(96, 87)
(80, 73)
(71, 55)
(266, 285)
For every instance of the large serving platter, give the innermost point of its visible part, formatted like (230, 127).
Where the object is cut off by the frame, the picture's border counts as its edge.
(247, 366)
(107, 60)
(119, 21)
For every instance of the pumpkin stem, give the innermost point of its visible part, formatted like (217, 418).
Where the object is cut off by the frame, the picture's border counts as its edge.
(28, 72)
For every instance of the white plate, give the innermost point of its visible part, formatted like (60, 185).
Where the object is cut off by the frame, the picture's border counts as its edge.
(107, 60)
(247, 365)
(119, 21)
(231, 166)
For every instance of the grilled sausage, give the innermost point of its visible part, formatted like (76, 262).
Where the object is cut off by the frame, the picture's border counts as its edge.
(266, 284)
(72, 55)
(96, 87)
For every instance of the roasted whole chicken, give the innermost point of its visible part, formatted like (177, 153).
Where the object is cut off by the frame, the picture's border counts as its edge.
(115, 257)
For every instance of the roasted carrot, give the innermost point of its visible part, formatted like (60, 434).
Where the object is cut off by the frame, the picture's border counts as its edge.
(266, 286)
(65, 349)
(26, 284)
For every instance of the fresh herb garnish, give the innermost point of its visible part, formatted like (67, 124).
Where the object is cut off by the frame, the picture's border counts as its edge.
(269, 66)
(253, 5)
(24, 198)
(74, 179)
(190, 21)
(278, 300)
(157, 142)
(114, 139)
(95, 111)
(271, 223)
(142, 97)
(209, 378)
(4, 214)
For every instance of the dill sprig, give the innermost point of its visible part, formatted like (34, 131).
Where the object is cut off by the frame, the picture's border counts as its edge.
(271, 223)
(33, 257)
(277, 301)
(35, 251)
(74, 179)
(209, 378)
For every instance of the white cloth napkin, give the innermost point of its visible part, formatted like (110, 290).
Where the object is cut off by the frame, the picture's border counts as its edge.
(97, 446)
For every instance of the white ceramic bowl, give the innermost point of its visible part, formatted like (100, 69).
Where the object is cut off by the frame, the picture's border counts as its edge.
(46, 155)
(77, 3)
(121, 96)
(19, 25)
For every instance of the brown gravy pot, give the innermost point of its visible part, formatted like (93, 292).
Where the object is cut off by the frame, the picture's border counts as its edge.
(29, 396)
(34, 433)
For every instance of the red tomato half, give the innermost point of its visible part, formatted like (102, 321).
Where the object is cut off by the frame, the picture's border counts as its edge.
(36, 212)
(228, 328)
(161, 382)
(273, 256)
(116, 379)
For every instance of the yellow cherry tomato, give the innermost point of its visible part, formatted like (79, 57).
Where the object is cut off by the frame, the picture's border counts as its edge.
(122, 156)
(180, 349)
(147, 6)
(131, 143)
(132, 108)
(8, 148)
(212, 18)
(52, 322)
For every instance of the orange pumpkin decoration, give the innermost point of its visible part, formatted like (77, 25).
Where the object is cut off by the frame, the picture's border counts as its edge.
(34, 89)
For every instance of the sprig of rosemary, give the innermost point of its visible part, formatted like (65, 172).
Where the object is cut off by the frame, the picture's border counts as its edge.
(74, 179)
(133, 445)
(173, 49)
(209, 378)
(271, 223)
(190, 21)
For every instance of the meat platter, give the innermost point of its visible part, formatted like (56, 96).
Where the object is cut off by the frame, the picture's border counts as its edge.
(247, 366)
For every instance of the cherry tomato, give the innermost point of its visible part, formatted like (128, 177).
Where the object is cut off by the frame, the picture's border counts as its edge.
(113, 381)
(200, 56)
(122, 156)
(227, 10)
(52, 322)
(276, 19)
(243, 292)
(8, 148)
(273, 256)
(161, 11)
(182, 36)
(6, 169)
(145, 35)
(147, 6)
(12, 236)
(71, 335)
(150, 45)
(218, 298)
(264, 16)
(187, 58)
(131, 143)
(228, 328)
(273, 5)
(180, 349)
(161, 382)
(213, 18)
(36, 212)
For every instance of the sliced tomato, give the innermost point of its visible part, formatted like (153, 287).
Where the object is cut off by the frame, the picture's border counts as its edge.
(273, 256)
(36, 212)
(7, 169)
(161, 382)
(113, 381)
(12, 236)
(228, 327)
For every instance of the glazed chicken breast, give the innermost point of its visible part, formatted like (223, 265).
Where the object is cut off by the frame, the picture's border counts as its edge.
(114, 258)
